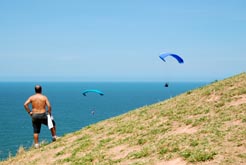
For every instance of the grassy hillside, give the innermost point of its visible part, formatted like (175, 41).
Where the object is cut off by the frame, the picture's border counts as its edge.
(202, 126)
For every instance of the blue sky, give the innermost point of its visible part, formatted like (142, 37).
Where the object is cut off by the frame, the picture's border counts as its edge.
(94, 40)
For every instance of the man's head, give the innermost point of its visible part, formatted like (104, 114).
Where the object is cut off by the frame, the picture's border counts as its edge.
(38, 89)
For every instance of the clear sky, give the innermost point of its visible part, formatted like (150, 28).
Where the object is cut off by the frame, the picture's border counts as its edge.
(121, 40)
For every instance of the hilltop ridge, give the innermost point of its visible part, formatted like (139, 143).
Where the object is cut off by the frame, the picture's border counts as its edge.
(201, 126)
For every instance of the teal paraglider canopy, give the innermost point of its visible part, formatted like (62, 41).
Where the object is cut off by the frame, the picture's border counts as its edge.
(92, 90)
(177, 57)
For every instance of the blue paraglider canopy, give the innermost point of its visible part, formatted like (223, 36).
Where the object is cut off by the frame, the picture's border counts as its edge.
(93, 90)
(178, 58)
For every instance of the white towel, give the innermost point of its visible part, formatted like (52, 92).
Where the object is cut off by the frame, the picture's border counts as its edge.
(50, 124)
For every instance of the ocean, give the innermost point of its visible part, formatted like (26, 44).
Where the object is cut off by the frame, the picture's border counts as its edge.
(73, 111)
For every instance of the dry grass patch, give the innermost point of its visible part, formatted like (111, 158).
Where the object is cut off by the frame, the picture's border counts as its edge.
(122, 151)
(238, 100)
(185, 129)
(176, 161)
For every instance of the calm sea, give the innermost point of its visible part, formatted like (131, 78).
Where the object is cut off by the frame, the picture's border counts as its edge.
(73, 111)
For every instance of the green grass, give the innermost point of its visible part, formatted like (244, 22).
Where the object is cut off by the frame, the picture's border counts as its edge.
(205, 125)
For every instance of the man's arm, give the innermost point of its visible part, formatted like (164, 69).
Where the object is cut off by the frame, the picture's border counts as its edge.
(26, 105)
(48, 105)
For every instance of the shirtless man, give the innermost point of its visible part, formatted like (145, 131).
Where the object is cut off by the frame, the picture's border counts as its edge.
(38, 113)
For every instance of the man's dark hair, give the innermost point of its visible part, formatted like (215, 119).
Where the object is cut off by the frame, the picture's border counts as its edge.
(38, 89)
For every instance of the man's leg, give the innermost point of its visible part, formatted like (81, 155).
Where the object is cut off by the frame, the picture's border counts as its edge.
(53, 133)
(36, 130)
(35, 136)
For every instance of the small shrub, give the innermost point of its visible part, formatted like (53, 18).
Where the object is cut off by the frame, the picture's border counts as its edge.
(207, 93)
(163, 151)
(242, 155)
(87, 158)
(219, 104)
(60, 153)
(188, 122)
(194, 143)
(20, 150)
(198, 155)
(140, 154)
(189, 92)
(142, 141)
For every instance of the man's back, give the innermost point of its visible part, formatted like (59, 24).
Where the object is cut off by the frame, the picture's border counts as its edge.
(39, 103)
